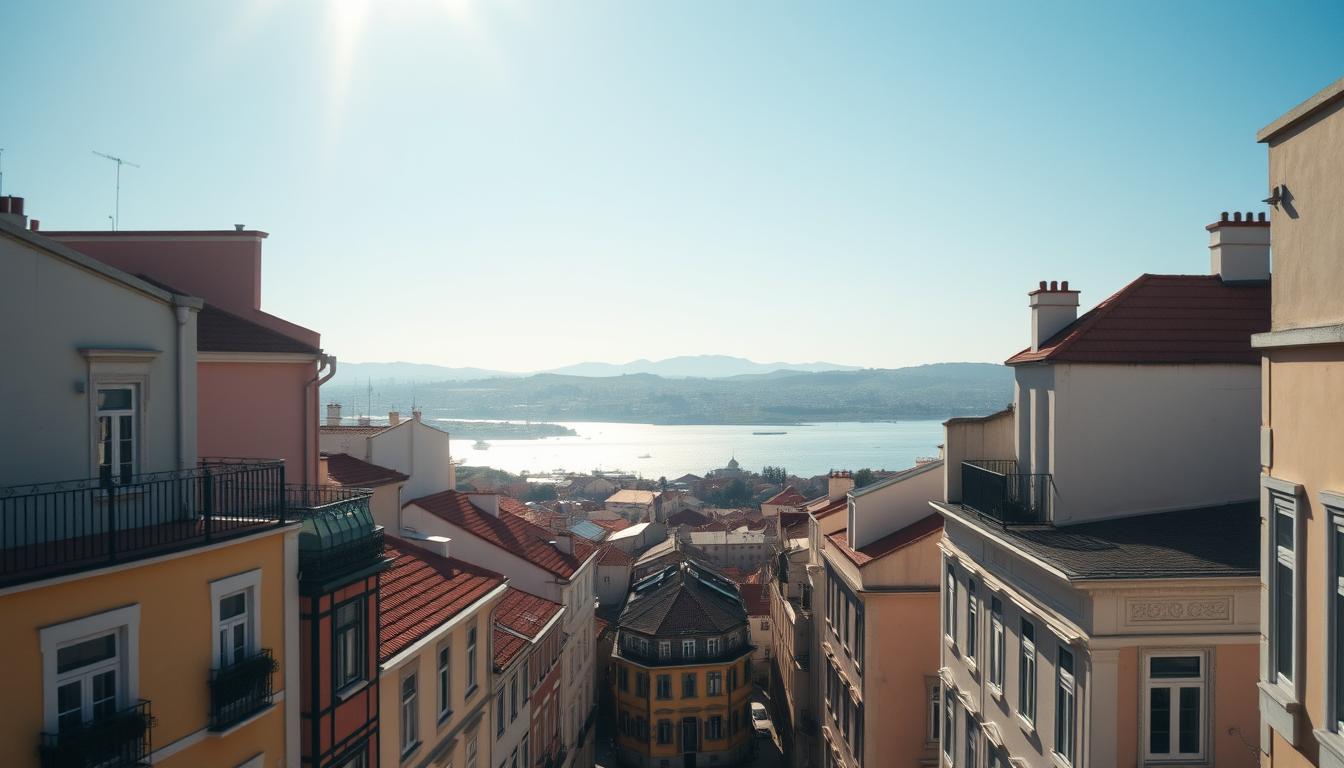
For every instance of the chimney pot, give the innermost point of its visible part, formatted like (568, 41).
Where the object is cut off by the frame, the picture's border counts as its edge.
(1236, 216)
(237, 227)
(16, 206)
(1262, 216)
(1240, 254)
(1064, 286)
(1224, 216)
(1051, 311)
(393, 418)
(36, 225)
(1042, 285)
(333, 414)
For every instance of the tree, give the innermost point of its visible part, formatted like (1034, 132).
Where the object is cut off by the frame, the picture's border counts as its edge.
(662, 483)
(734, 494)
(772, 474)
(863, 477)
(540, 492)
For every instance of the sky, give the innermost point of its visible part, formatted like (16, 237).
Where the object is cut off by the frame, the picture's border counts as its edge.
(519, 184)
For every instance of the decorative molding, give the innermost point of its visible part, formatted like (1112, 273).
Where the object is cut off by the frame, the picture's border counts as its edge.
(119, 354)
(1205, 610)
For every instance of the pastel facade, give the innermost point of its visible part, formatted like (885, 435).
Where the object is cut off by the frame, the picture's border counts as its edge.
(1302, 496)
(408, 446)
(526, 645)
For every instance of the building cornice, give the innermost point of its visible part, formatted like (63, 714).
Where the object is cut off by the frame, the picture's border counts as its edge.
(1314, 336)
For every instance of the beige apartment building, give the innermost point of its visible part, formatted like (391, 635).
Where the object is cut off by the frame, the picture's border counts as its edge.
(1301, 687)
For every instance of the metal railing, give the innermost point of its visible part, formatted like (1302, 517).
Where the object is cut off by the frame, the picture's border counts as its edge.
(995, 489)
(241, 689)
(50, 529)
(118, 740)
(339, 534)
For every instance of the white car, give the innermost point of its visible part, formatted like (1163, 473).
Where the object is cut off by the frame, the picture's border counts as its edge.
(760, 719)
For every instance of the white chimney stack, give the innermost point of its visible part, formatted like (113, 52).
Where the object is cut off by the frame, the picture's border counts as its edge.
(486, 502)
(1239, 248)
(839, 483)
(333, 414)
(564, 543)
(365, 421)
(436, 544)
(1053, 307)
(416, 415)
(393, 418)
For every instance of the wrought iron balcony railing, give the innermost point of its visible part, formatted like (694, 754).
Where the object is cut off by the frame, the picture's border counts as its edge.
(118, 740)
(241, 689)
(995, 489)
(339, 535)
(52, 529)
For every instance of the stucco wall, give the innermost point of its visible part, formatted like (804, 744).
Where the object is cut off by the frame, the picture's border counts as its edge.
(892, 505)
(256, 410)
(49, 309)
(414, 449)
(992, 437)
(893, 683)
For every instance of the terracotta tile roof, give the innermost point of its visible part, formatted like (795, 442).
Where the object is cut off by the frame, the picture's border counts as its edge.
(344, 469)
(421, 591)
(756, 598)
(519, 618)
(687, 517)
(884, 546)
(351, 429)
(830, 509)
(610, 555)
(619, 524)
(1164, 319)
(509, 531)
(788, 496)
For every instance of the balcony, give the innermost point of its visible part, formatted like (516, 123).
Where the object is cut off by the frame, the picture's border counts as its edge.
(994, 489)
(118, 740)
(339, 540)
(54, 529)
(240, 690)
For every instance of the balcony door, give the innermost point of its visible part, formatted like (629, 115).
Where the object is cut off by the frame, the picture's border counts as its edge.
(88, 680)
(690, 735)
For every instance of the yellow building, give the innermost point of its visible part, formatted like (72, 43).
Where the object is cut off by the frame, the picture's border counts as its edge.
(1301, 685)
(681, 671)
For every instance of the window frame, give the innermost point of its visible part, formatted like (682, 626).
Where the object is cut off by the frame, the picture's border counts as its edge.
(998, 646)
(444, 679)
(972, 740)
(410, 725)
(1333, 504)
(249, 583)
(1027, 683)
(933, 710)
(472, 683)
(124, 621)
(1146, 684)
(1066, 717)
(949, 725)
(361, 652)
(972, 618)
(1291, 559)
(950, 606)
(114, 416)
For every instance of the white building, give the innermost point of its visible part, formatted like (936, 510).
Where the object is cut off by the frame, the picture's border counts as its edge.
(408, 446)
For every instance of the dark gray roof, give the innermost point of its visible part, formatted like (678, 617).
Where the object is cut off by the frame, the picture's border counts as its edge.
(683, 599)
(1190, 543)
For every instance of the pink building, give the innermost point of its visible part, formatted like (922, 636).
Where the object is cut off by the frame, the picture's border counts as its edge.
(257, 374)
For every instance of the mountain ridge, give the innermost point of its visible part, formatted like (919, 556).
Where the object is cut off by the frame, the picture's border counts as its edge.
(681, 366)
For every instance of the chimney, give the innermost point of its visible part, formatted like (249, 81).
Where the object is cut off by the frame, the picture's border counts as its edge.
(333, 414)
(11, 210)
(564, 542)
(438, 545)
(839, 483)
(1239, 248)
(452, 474)
(1053, 307)
(487, 502)
(365, 421)
(416, 415)
(34, 225)
(393, 418)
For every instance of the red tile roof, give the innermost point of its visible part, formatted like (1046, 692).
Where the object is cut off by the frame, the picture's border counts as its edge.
(619, 524)
(1164, 319)
(421, 591)
(832, 508)
(344, 469)
(755, 598)
(610, 555)
(519, 617)
(687, 517)
(787, 496)
(509, 531)
(351, 429)
(884, 546)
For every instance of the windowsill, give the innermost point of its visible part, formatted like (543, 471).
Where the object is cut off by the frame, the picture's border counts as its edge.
(1280, 710)
(971, 666)
(411, 750)
(470, 692)
(351, 689)
(1059, 761)
(445, 717)
(1332, 748)
(951, 645)
(1028, 727)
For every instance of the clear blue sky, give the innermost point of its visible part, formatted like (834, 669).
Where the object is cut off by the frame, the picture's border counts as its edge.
(521, 184)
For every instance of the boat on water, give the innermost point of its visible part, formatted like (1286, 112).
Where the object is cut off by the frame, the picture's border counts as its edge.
(481, 445)
(645, 456)
(769, 433)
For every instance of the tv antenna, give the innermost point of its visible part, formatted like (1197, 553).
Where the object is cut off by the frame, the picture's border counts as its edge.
(2, 170)
(116, 219)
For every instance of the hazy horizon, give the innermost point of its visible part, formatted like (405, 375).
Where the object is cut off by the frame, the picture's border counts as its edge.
(522, 185)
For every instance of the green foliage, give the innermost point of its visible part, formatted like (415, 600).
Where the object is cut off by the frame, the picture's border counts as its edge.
(776, 475)
(863, 477)
(734, 494)
(540, 492)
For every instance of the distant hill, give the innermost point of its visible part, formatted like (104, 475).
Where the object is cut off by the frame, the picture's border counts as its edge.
(692, 366)
(350, 373)
(928, 391)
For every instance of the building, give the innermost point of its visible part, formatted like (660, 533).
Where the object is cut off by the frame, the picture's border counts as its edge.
(557, 567)
(434, 663)
(613, 576)
(408, 446)
(681, 670)
(386, 484)
(1100, 588)
(742, 549)
(1302, 481)
(756, 600)
(154, 609)
(633, 505)
(527, 645)
(787, 500)
(879, 573)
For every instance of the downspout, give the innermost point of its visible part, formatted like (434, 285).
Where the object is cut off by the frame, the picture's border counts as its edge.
(323, 361)
(182, 306)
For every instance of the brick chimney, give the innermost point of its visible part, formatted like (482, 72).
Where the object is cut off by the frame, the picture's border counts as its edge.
(839, 483)
(393, 418)
(11, 210)
(1239, 248)
(333, 414)
(1053, 307)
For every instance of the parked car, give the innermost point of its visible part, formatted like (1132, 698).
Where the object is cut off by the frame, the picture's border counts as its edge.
(760, 719)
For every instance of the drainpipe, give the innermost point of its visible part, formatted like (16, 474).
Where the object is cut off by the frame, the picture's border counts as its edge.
(323, 361)
(182, 307)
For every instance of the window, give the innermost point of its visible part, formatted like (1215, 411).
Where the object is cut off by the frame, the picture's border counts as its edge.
(996, 643)
(858, 638)
(641, 685)
(232, 629)
(1283, 587)
(234, 610)
(1065, 704)
(949, 726)
(972, 740)
(116, 433)
(1026, 674)
(513, 698)
(527, 680)
(950, 606)
(664, 731)
(445, 683)
(471, 661)
(350, 656)
(664, 649)
(714, 681)
(526, 752)
(933, 715)
(1174, 706)
(1336, 648)
(623, 678)
(664, 686)
(971, 620)
(410, 723)
(712, 646)
(732, 678)
(688, 685)
(88, 680)
(499, 714)
(688, 649)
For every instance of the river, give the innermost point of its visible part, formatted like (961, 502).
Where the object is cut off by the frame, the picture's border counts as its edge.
(674, 450)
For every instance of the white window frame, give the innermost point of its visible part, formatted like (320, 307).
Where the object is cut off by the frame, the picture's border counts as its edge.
(949, 726)
(125, 622)
(972, 621)
(950, 607)
(688, 644)
(249, 583)
(361, 648)
(664, 649)
(114, 416)
(998, 646)
(1027, 656)
(1147, 684)
(1066, 717)
(711, 646)
(1292, 560)
(972, 740)
(443, 661)
(933, 713)
(471, 660)
(410, 713)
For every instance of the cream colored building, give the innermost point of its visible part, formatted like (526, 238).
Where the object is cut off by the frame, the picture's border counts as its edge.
(1301, 688)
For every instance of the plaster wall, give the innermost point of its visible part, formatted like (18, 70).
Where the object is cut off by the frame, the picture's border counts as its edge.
(256, 410)
(890, 506)
(613, 582)
(993, 437)
(415, 449)
(898, 666)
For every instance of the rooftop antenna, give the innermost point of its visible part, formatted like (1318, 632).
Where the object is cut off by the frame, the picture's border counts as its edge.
(116, 220)
(2, 170)
(369, 395)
